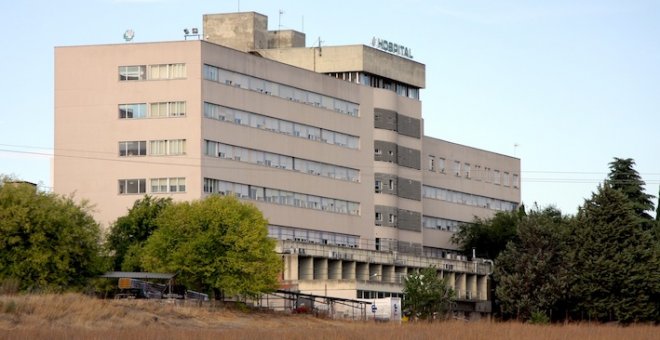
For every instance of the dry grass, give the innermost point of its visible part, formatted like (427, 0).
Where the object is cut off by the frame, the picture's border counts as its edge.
(73, 316)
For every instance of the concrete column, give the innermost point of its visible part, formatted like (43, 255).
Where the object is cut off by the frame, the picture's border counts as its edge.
(320, 268)
(290, 267)
(460, 285)
(471, 286)
(375, 272)
(305, 268)
(388, 274)
(400, 274)
(482, 287)
(348, 270)
(334, 269)
(362, 271)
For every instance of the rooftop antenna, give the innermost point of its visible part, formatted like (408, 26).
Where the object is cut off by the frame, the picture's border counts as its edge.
(320, 48)
(280, 22)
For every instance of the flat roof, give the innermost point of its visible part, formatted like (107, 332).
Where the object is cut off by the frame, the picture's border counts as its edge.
(138, 275)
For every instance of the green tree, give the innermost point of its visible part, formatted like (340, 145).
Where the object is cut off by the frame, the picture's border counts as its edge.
(47, 242)
(614, 264)
(625, 178)
(488, 236)
(426, 294)
(531, 272)
(216, 244)
(129, 232)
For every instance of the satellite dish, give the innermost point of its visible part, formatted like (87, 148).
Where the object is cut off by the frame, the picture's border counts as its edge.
(128, 35)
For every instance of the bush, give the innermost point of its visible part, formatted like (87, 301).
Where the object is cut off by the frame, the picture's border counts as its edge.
(539, 318)
(9, 286)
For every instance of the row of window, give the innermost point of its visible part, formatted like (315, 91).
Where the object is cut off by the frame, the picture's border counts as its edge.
(152, 72)
(216, 149)
(156, 110)
(486, 174)
(467, 199)
(312, 236)
(215, 186)
(372, 294)
(279, 90)
(286, 127)
(158, 185)
(442, 253)
(169, 147)
(371, 80)
(441, 223)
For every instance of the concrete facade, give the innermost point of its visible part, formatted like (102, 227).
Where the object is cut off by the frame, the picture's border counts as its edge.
(326, 141)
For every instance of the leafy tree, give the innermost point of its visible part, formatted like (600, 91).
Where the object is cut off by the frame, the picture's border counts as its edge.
(488, 236)
(614, 266)
(625, 178)
(426, 294)
(128, 234)
(46, 241)
(531, 272)
(216, 244)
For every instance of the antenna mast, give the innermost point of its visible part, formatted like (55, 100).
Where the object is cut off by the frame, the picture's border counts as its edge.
(280, 22)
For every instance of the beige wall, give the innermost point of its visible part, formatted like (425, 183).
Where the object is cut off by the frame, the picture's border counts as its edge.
(352, 58)
(474, 185)
(88, 128)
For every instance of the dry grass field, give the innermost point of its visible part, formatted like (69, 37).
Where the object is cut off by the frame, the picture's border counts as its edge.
(73, 316)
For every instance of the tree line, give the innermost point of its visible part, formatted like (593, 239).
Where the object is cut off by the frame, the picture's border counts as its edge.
(602, 264)
(50, 243)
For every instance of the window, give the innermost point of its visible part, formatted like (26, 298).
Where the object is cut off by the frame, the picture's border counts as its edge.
(487, 175)
(378, 152)
(283, 91)
(132, 111)
(133, 148)
(176, 147)
(391, 184)
(132, 186)
(466, 170)
(516, 181)
(171, 147)
(506, 179)
(167, 71)
(378, 186)
(392, 218)
(168, 109)
(496, 177)
(457, 168)
(431, 163)
(379, 216)
(441, 165)
(178, 184)
(283, 197)
(158, 185)
(132, 72)
(267, 123)
(477, 172)
(164, 185)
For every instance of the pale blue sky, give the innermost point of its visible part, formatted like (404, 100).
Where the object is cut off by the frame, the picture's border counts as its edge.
(573, 83)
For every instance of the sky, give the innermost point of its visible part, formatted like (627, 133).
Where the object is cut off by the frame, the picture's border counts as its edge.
(563, 85)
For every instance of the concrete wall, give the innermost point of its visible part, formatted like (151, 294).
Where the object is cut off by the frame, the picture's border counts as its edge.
(88, 129)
